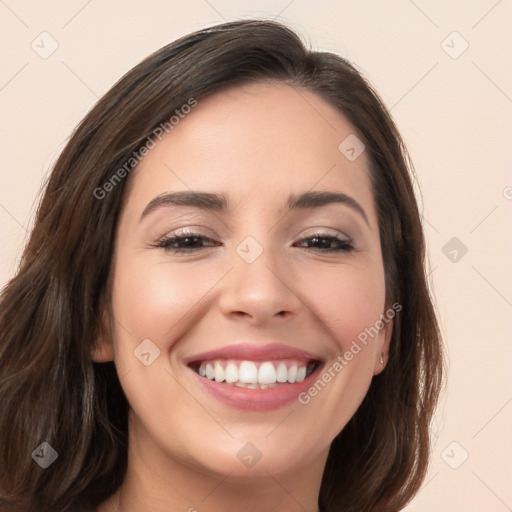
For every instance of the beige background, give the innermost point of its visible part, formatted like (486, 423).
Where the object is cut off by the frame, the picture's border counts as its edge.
(455, 115)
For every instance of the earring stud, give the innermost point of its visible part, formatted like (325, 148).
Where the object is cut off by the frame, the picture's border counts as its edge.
(382, 358)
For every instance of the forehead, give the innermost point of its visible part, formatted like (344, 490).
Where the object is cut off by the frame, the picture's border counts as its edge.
(255, 142)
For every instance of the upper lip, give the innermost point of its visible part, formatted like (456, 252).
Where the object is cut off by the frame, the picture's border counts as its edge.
(255, 352)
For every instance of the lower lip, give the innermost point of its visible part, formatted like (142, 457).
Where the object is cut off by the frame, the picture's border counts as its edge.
(256, 399)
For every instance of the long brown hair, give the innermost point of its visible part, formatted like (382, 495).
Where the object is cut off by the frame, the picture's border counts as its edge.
(50, 311)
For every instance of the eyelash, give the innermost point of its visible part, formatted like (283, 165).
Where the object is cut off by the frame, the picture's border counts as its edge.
(345, 245)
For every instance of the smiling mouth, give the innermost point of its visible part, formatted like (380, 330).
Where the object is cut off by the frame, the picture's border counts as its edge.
(255, 374)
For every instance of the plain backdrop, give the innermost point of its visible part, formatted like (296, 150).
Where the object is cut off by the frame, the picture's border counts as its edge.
(443, 68)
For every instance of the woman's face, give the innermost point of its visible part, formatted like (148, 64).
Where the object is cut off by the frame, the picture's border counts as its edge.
(265, 293)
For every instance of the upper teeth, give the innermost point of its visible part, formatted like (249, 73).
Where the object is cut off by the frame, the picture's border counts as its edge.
(250, 372)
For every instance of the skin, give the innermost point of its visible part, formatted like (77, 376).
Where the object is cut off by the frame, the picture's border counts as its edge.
(256, 144)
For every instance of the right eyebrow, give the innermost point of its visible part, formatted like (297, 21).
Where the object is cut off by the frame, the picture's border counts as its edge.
(203, 200)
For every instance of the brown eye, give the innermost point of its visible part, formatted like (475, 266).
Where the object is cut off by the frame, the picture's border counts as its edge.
(328, 243)
(191, 242)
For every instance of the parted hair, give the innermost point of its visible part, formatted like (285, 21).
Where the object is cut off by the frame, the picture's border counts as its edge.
(51, 309)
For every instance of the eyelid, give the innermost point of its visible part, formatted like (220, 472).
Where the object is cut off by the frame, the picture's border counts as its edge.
(205, 232)
(319, 230)
(192, 231)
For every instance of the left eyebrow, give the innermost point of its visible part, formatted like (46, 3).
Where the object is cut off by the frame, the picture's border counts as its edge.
(317, 199)
(219, 202)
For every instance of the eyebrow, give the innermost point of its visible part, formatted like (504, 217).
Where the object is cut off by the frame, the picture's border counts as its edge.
(219, 202)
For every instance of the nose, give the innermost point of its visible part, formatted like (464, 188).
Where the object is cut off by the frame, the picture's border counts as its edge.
(260, 292)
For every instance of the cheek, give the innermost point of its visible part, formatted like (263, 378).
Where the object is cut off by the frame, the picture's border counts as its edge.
(156, 300)
(346, 299)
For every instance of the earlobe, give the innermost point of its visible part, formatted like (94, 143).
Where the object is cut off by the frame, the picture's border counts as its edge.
(383, 347)
(102, 352)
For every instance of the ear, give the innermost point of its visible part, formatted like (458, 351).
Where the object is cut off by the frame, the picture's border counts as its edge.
(382, 345)
(103, 349)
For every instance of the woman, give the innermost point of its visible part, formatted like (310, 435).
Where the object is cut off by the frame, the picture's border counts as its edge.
(223, 303)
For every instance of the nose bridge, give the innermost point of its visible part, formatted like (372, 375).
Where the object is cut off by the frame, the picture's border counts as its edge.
(259, 283)
(257, 265)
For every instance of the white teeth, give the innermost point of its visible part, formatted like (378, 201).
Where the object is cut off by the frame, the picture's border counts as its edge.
(248, 372)
(251, 386)
(301, 374)
(267, 373)
(219, 372)
(292, 373)
(254, 375)
(231, 373)
(281, 373)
